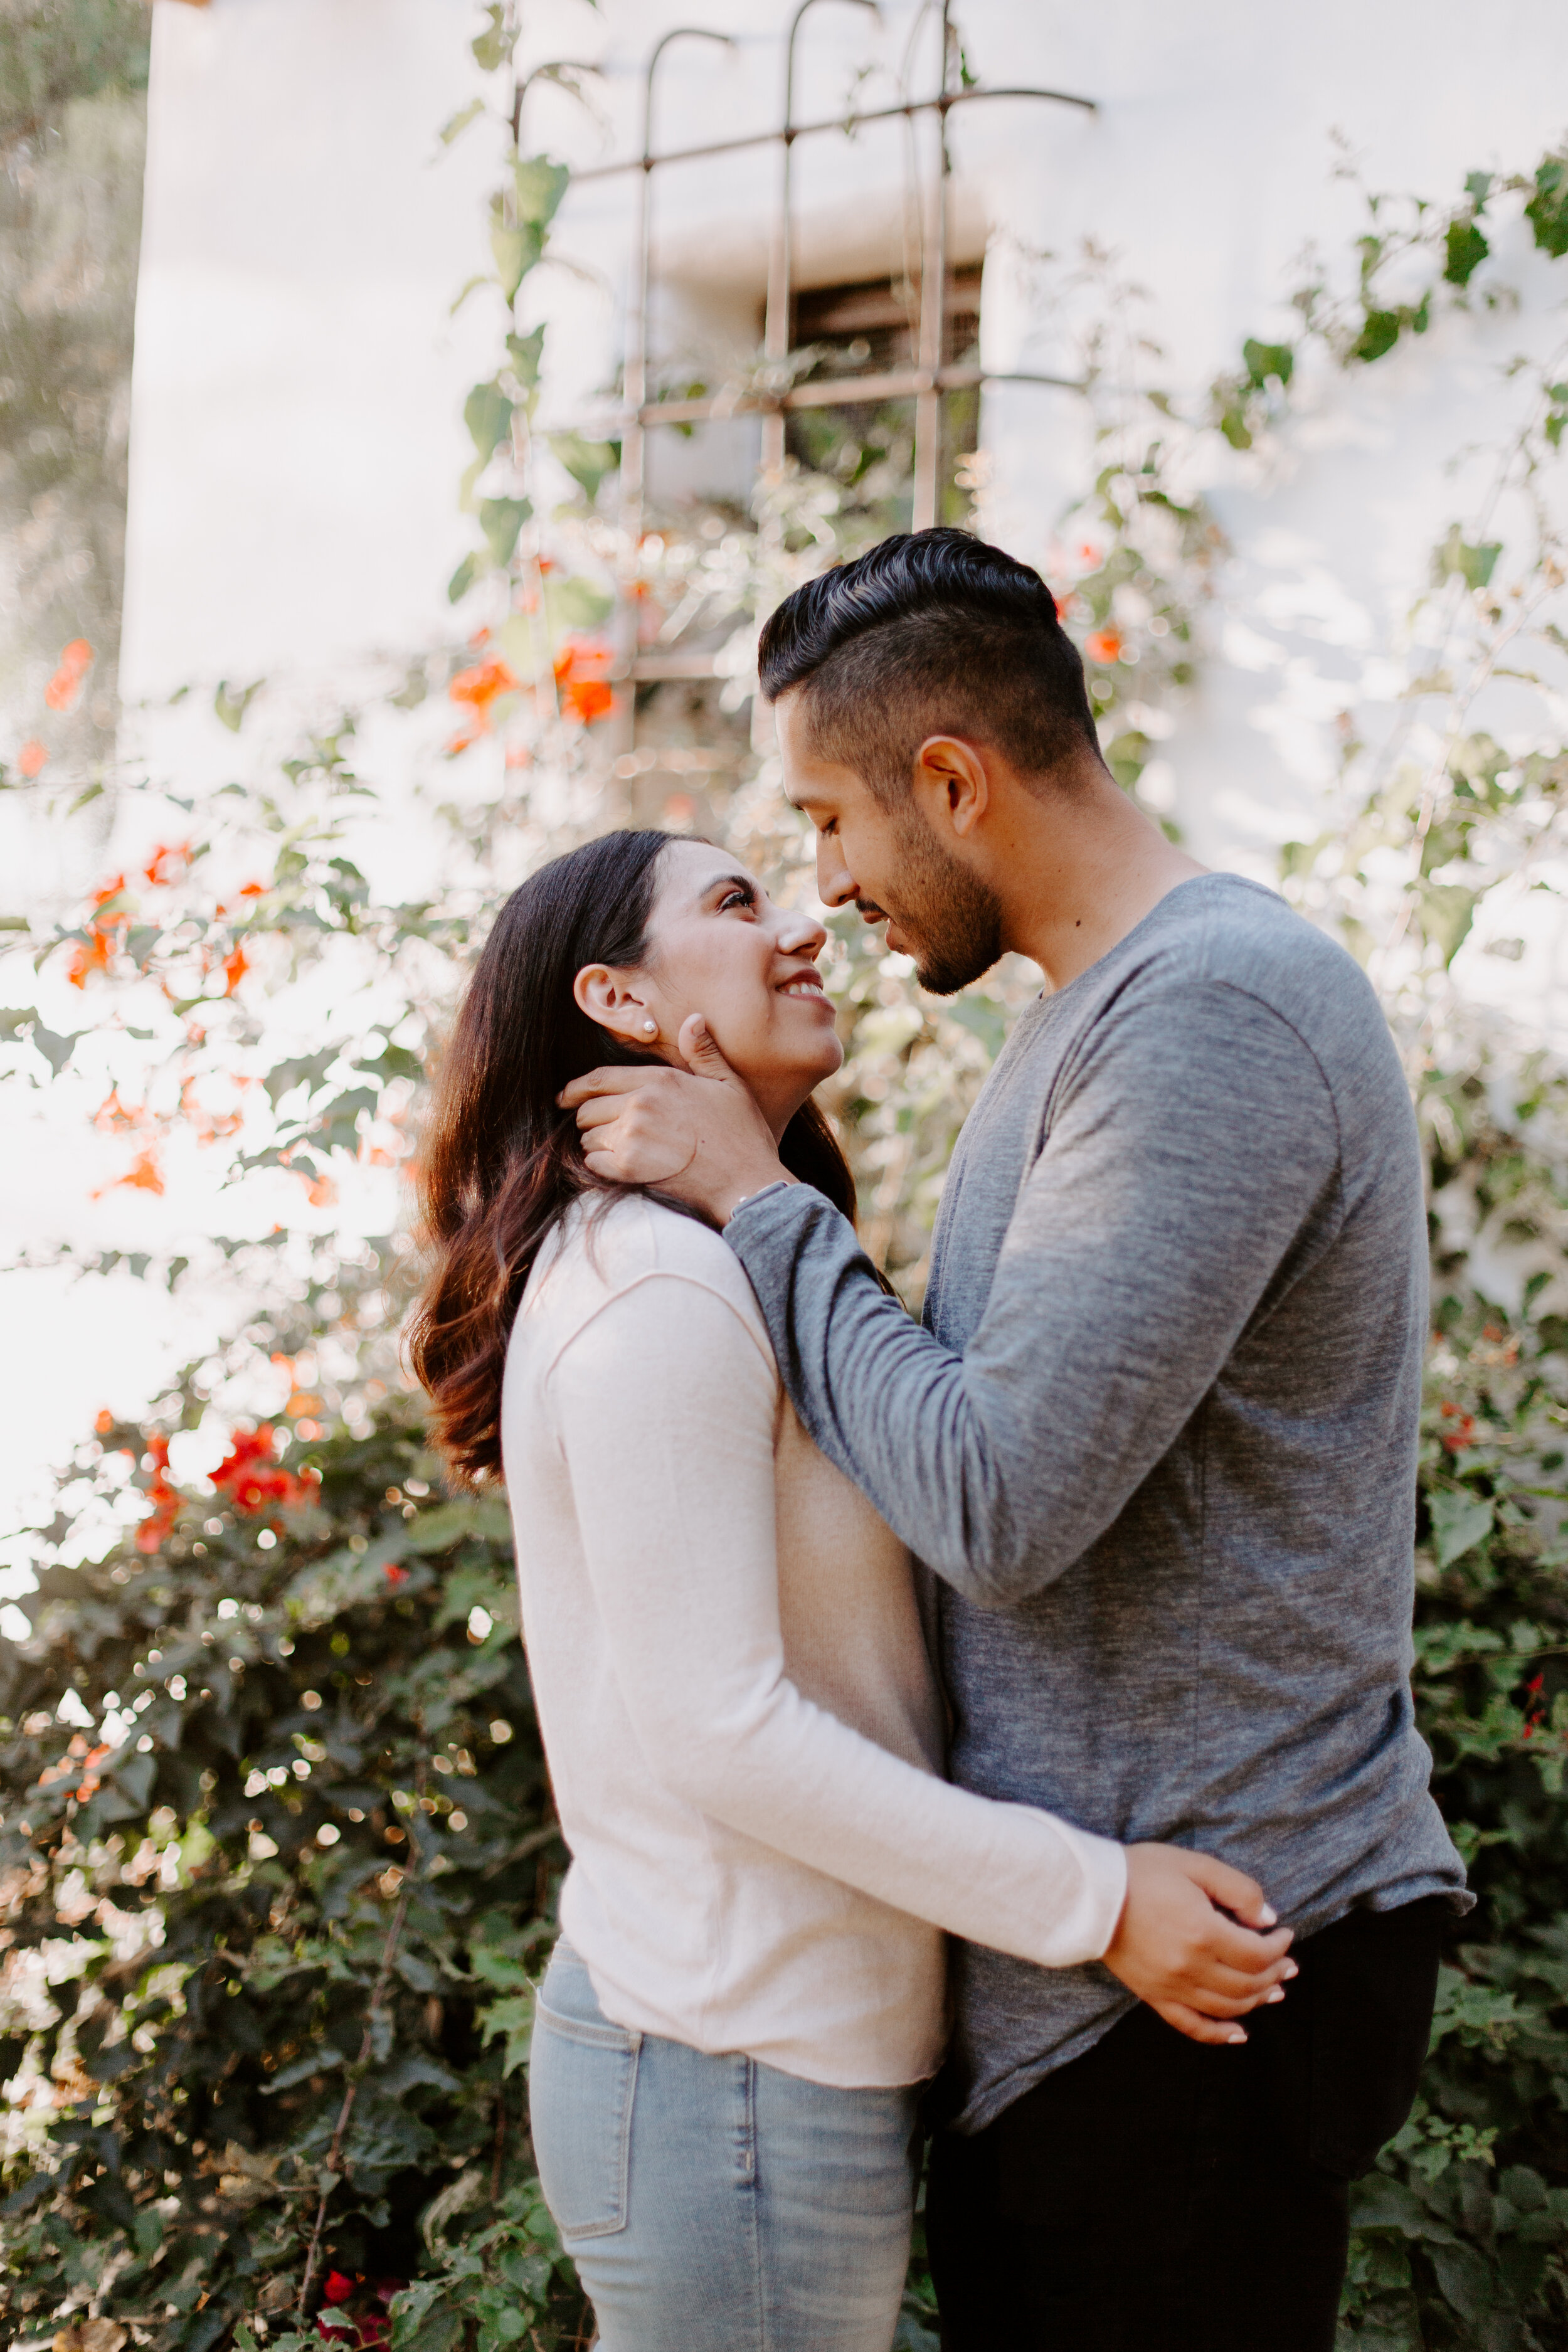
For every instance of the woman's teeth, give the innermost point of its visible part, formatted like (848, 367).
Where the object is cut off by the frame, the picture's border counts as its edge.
(802, 988)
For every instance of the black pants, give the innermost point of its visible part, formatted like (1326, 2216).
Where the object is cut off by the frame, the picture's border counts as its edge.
(1161, 2195)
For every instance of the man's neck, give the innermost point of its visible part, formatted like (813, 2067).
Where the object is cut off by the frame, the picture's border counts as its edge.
(1088, 866)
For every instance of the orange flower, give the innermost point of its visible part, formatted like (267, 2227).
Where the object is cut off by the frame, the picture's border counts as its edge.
(235, 967)
(481, 686)
(32, 759)
(322, 1193)
(165, 863)
(253, 889)
(1064, 604)
(1104, 646)
(105, 933)
(66, 684)
(144, 1176)
(585, 692)
(113, 1115)
(104, 1422)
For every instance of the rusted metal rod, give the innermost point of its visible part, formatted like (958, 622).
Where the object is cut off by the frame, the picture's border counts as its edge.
(943, 104)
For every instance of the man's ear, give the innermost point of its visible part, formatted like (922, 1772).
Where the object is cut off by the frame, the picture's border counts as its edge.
(951, 784)
(608, 997)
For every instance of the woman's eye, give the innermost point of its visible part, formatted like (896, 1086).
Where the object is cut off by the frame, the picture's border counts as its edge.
(736, 898)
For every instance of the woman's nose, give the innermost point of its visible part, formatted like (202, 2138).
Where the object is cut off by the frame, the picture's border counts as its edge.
(802, 934)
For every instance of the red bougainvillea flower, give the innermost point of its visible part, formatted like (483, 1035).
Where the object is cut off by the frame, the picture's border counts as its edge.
(66, 684)
(477, 688)
(32, 759)
(164, 1499)
(252, 1477)
(585, 693)
(1462, 1433)
(393, 1574)
(338, 2288)
(167, 863)
(1104, 646)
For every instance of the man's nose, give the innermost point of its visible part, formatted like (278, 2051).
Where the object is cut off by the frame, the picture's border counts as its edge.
(834, 883)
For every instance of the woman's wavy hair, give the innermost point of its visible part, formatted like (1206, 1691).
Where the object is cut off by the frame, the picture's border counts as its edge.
(500, 1162)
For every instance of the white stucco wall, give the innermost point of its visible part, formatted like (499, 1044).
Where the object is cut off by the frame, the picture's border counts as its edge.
(296, 434)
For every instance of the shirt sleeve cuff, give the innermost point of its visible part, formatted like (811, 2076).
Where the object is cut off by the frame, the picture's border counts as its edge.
(1085, 1933)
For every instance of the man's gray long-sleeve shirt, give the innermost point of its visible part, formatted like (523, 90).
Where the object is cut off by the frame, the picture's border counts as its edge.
(1156, 1437)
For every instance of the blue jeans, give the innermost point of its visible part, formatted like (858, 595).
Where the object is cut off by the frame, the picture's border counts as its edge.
(713, 2204)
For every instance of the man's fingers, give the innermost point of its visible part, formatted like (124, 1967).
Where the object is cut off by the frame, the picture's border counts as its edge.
(703, 1055)
(599, 1110)
(607, 1080)
(1233, 1891)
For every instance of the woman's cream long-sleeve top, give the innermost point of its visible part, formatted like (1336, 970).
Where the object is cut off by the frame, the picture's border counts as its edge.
(741, 1719)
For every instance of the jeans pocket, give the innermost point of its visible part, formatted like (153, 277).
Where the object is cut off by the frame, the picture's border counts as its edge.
(582, 2082)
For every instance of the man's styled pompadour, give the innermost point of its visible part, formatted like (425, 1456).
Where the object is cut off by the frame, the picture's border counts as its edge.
(930, 633)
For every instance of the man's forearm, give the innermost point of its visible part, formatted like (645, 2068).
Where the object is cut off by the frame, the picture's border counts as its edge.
(883, 1400)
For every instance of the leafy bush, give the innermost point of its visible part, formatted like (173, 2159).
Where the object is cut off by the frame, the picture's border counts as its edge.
(270, 1954)
(1462, 2232)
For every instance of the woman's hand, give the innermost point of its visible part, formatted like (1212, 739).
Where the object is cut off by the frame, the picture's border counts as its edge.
(1176, 1948)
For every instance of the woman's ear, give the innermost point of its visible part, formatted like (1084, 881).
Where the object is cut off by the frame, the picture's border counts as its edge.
(607, 997)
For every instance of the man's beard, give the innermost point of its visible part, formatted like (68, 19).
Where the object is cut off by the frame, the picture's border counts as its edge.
(952, 919)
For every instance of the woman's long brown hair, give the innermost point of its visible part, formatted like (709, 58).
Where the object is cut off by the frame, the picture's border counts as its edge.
(500, 1162)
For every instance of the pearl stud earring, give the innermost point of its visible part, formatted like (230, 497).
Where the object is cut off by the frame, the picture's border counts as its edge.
(650, 1028)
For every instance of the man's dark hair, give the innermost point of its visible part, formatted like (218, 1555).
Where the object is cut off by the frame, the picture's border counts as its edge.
(930, 633)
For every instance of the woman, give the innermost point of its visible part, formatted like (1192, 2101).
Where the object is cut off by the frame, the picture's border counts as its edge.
(741, 1723)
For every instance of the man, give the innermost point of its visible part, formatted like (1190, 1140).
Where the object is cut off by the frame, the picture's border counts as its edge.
(1156, 1438)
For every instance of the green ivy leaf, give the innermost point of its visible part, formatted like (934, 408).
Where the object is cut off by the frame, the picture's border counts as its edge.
(1547, 211)
(1460, 1520)
(541, 185)
(501, 520)
(1456, 558)
(587, 462)
(526, 353)
(1380, 332)
(1266, 360)
(231, 704)
(487, 413)
(492, 48)
(463, 579)
(458, 123)
(516, 249)
(1465, 248)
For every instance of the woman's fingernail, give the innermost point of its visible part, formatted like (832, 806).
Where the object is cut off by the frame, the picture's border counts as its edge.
(1277, 1994)
(1270, 1916)
(1291, 1969)
(1236, 2037)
